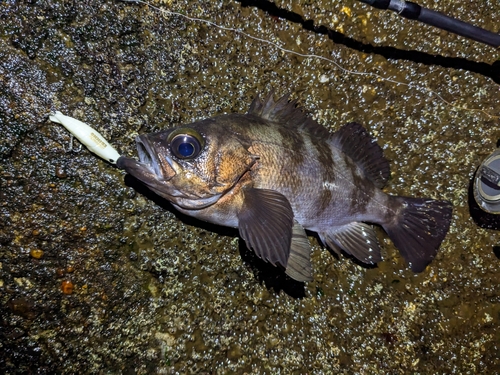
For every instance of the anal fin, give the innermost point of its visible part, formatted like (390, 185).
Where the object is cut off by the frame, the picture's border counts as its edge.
(299, 262)
(357, 239)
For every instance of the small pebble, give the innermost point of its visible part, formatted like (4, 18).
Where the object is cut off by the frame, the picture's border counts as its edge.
(36, 253)
(60, 272)
(67, 287)
(60, 172)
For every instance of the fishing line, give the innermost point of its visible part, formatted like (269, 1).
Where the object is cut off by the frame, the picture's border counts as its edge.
(410, 85)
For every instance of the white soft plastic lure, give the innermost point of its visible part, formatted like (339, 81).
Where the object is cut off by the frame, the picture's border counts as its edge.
(90, 137)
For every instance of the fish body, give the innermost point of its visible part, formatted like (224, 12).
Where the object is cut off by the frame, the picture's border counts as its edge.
(274, 172)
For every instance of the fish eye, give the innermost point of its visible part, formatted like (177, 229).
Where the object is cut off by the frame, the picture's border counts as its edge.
(186, 143)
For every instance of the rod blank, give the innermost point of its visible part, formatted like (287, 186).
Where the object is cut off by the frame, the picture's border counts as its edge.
(414, 11)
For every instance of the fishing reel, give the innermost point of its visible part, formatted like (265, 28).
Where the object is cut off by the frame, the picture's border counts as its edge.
(487, 184)
(485, 207)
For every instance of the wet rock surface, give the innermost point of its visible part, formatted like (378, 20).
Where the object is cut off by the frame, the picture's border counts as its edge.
(99, 275)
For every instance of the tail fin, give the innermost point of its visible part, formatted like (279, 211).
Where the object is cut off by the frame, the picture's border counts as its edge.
(419, 229)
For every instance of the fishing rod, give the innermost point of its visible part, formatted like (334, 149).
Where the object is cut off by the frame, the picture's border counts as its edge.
(414, 11)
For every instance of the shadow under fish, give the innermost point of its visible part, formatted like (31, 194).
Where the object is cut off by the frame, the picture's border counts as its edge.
(274, 172)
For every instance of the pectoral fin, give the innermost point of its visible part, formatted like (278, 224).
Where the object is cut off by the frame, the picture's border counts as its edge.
(265, 223)
(299, 262)
(355, 238)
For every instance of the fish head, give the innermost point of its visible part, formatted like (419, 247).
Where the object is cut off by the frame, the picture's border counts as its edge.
(192, 166)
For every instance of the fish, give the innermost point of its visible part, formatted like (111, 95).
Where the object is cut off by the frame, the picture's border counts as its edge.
(274, 173)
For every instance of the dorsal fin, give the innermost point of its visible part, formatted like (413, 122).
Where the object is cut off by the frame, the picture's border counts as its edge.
(355, 142)
(286, 112)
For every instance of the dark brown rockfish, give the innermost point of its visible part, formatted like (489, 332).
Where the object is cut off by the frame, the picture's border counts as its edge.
(274, 172)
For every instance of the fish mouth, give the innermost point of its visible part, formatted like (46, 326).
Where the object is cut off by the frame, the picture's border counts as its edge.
(150, 168)
(147, 157)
